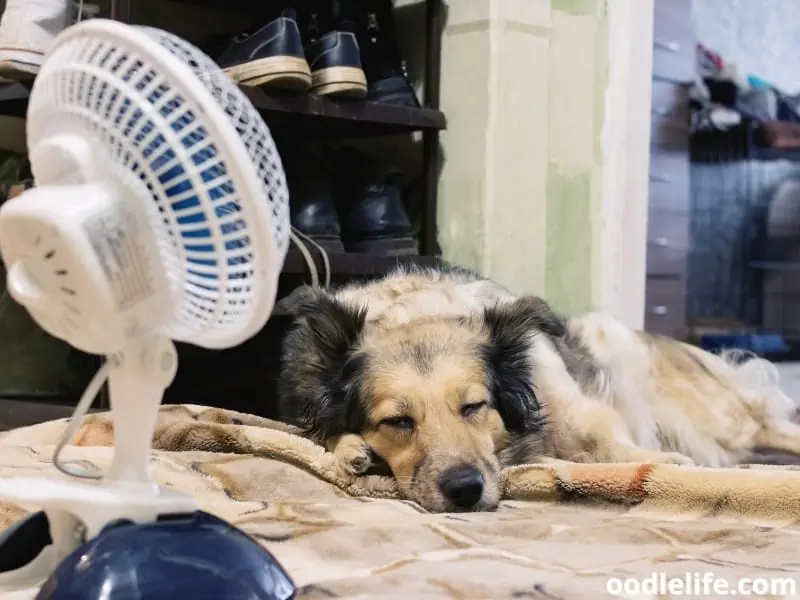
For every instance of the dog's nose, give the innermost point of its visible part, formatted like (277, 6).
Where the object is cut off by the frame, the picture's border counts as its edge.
(463, 486)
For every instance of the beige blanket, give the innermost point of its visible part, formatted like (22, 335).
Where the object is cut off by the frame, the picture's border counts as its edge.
(563, 532)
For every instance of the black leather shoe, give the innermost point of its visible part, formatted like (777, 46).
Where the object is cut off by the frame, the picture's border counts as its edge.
(336, 66)
(311, 201)
(331, 50)
(270, 56)
(384, 67)
(370, 202)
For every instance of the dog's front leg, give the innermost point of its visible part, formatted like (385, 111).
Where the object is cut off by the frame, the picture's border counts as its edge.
(783, 436)
(606, 438)
(353, 455)
(586, 428)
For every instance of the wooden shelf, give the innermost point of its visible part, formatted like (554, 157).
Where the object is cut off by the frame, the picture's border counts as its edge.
(14, 99)
(318, 115)
(315, 116)
(352, 264)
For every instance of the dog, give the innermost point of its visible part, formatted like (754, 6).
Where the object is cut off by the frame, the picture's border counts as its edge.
(445, 377)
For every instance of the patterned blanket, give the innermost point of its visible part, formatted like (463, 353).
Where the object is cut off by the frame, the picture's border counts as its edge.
(565, 531)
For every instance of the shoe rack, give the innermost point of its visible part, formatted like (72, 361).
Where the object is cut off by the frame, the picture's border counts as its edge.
(325, 118)
(319, 117)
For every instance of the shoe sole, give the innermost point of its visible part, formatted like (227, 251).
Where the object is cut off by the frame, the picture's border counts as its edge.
(284, 72)
(339, 82)
(19, 65)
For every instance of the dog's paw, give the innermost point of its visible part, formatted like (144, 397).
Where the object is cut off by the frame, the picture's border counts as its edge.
(669, 458)
(353, 455)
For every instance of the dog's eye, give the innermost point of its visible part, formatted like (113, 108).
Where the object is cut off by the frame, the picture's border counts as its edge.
(399, 423)
(470, 409)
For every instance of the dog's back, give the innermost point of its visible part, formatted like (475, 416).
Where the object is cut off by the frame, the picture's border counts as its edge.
(676, 397)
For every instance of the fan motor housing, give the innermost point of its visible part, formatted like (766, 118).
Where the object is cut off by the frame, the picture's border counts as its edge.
(75, 262)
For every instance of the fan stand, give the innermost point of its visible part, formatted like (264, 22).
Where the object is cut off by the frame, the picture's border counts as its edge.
(137, 379)
(78, 511)
(91, 518)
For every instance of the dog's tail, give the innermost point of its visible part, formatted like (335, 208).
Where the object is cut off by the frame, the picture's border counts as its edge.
(756, 380)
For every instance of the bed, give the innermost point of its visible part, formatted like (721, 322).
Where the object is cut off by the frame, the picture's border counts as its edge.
(563, 531)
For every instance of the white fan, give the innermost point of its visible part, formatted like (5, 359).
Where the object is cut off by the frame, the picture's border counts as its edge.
(160, 213)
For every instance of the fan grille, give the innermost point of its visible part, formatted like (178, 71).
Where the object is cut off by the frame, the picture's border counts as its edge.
(160, 147)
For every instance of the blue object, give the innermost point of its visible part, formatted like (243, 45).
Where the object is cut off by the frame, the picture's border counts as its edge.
(757, 83)
(757, 343)
(195, 556)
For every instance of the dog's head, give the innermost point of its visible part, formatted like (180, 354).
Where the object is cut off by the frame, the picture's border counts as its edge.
(435, 399)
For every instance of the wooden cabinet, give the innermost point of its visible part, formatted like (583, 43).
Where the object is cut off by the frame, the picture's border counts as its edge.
(668, 214)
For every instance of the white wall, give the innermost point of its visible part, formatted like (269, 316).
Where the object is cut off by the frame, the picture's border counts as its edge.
(626, 162)
(762, 37)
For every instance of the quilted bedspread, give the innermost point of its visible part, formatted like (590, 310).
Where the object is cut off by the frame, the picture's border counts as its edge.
(565, 531)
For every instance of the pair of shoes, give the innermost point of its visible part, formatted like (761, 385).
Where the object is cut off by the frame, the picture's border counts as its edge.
(339, 48)
(27, 28)
(353, 204)
(387, 76)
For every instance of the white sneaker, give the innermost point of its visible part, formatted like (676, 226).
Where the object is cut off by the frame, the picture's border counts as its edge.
(27, 28)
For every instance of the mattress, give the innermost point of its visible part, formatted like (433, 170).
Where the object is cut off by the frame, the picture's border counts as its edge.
(562, 531)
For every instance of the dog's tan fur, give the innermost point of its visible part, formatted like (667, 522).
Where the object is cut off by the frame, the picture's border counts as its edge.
(430, 343)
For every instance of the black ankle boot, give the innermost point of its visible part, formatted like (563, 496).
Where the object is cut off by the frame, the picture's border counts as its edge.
(385, 69)
(311, 201)
(331, 50)
(269, 55)
(369, 197)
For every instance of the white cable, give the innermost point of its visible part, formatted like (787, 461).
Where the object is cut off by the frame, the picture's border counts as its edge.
(85, 403)
(298, 237)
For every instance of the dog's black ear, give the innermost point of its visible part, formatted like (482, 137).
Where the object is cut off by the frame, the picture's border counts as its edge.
(508, 359)
(531, 313)
(304, 295)
(319, 383)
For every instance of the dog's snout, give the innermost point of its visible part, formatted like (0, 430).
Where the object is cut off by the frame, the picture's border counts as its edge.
(462, 486)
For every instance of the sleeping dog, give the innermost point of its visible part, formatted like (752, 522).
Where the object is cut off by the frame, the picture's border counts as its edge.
(446, 377)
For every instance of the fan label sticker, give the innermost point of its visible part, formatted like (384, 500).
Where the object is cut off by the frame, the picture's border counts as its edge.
(123, 258)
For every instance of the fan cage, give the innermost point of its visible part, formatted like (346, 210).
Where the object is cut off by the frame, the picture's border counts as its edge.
(148, 129)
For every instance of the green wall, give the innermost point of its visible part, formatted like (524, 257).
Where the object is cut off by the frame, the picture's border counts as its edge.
(574, 171)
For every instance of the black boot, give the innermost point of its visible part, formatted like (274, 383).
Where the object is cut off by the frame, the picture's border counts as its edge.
(369, 197)
(271, 55)
(331, 50)
(387, 78)
(311, 200)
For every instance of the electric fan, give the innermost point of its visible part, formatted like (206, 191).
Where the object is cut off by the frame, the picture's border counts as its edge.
(160, 214)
